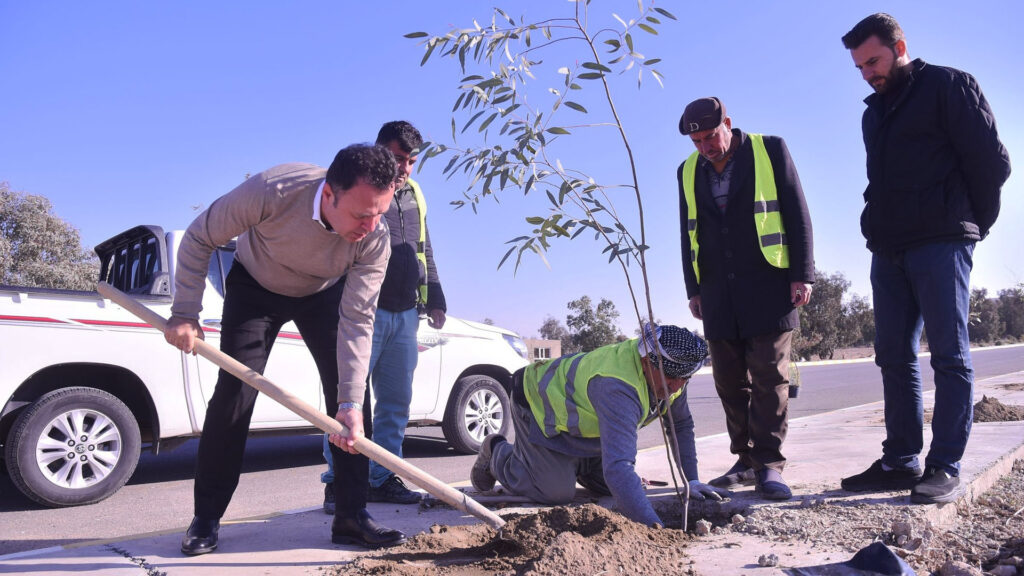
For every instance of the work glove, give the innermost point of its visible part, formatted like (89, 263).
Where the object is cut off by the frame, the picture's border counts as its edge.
(702, 491)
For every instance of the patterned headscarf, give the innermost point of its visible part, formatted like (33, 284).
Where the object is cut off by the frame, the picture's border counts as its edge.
(682, 352)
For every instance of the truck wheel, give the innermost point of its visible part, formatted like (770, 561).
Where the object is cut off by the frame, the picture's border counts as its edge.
(477, 407)
(73, 446)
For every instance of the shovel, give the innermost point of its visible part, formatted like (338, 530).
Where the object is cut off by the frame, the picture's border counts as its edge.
(366, 447)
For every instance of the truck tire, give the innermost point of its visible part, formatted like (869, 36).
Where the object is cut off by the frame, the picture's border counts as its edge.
(478, 407)
(73, 446)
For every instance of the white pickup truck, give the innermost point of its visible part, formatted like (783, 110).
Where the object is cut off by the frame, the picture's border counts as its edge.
(84, 385)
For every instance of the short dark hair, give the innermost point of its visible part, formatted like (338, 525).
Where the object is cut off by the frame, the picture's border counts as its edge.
(407, 136)
(881, 24)
(374, 165)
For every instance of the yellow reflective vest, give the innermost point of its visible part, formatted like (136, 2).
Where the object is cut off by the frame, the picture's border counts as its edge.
(421, 244)
(771, 233)
(557, 389)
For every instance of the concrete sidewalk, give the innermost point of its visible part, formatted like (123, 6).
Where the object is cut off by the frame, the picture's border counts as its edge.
(821, 449)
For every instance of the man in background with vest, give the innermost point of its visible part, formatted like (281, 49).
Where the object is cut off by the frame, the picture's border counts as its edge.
(576, 419)
(935, 171)
(748, 264)
(411, 282)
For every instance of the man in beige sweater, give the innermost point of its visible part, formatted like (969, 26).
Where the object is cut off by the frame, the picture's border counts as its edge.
(299, 229)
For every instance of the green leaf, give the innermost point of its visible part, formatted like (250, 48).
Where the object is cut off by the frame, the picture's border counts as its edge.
(487, 122)
(653, 20)
(471, 120)
(529, 184)
(647, 29)
(658, 76)
(505, 257)
(552, 198)
(510, 20)
(665, 13)
(590, 76)
(652, 61)
(575, 106)
(557, 130)
(535, 220)
(561, 231)
(416, 35)
(430, 50)
(490, 83)
(596, 66)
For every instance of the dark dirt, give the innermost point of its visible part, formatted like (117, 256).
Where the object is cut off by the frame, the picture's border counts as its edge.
(590, 540)
(992, 410)
(587, 539)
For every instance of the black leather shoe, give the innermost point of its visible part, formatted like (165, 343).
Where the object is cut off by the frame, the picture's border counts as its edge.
(201, 536)
(362, 530)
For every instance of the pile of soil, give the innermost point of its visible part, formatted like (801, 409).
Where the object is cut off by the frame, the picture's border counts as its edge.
(587, 539)
(992, 410)
(590, 540)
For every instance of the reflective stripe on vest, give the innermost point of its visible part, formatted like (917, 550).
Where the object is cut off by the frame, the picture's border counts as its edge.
(771, 234)
(557, 390)
(421, 244)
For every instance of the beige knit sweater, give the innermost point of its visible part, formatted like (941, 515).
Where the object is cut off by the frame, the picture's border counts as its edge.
(290, 253)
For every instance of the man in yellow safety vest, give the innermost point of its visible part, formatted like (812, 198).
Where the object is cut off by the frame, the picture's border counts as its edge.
(748, 264)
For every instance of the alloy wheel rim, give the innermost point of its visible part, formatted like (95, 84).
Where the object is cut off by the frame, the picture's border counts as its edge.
(78, 448)
(484, 415)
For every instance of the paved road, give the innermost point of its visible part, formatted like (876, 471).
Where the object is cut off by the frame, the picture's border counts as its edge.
(283, 473)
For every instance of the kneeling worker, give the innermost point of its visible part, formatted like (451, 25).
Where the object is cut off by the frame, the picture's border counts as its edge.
(576, 419)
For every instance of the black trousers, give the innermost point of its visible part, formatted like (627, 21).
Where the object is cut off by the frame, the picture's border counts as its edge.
(252, 318)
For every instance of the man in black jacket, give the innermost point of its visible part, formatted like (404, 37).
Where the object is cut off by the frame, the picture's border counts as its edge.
(935, 171)
(411, 283)
(748, 264)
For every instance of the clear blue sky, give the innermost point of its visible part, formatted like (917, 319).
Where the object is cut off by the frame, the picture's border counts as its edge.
(124, 113)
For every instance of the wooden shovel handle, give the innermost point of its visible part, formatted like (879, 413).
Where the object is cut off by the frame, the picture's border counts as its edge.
(322, 421)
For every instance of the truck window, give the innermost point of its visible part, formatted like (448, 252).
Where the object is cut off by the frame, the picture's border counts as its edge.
(220, 265)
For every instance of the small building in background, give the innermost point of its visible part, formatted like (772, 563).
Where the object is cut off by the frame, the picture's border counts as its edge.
(541, 350)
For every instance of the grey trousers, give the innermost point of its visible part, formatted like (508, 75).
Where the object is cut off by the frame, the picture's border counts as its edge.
(531, 470)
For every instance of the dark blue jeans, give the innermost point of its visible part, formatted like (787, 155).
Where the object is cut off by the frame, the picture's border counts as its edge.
(925, 287)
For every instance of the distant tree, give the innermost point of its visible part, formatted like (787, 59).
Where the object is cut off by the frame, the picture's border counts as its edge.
(858, 325)
(552, 329)
(820, 319)
(592, 327)
(488, 321)
(638, 330)
(38, 248)
(1011, 311)
(983, 323)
